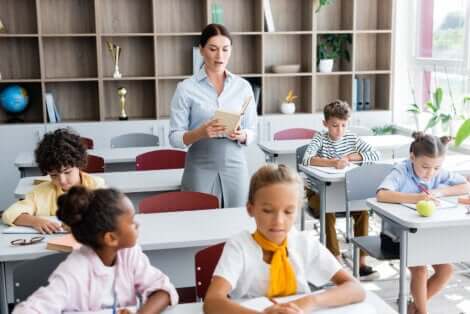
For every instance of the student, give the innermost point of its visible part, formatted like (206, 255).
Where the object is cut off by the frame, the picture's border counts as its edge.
(215, 163)
(109, 270)
(337, 147)
(277, 260)
(61, 155)
(421, 177)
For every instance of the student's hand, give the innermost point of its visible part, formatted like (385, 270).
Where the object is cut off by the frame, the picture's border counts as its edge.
(45, 226)
(427, 197)
(211, 128)
(342, 163)
(284, 308)
(354, 157)
(238, 135)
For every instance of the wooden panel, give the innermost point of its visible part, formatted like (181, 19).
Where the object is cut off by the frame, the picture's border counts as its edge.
(19, 16)
(246, 54)
(332, 87)
(71, 16)
(166, 90)
(75, 101)
(175, 55)
(126, 16)
(179, 16)
(19, 58)
(136, 59)
(140, 99)
(374, 14)
(384, 51)
(373, 52)
(335, 16)
(382, 92)
(70, 57)
(276, 89)
(240, 15)
(33, 113)
(292, 15)
(288, 49)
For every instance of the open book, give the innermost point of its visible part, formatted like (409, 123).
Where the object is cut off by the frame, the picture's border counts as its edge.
(231, 120)
(31, 230)
(443, 204)
(66, 243)
(334, 170)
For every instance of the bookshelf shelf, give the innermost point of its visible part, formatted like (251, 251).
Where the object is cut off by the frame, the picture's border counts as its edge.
(59, 47)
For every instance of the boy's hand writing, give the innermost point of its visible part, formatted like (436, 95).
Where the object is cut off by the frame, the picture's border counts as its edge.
(342, 163)
(354, 157)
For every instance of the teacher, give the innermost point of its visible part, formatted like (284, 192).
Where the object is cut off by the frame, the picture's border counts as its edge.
(215, 162)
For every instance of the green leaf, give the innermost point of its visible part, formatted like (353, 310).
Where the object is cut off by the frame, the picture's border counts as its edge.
(438, 94)
(445, 118)
(463, 132)
(466, 98)
(430, 105)
(432, 122)
(412, 110)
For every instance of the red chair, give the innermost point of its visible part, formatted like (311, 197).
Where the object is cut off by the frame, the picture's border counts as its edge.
(205, 262)
(94, 164)
(161, 159)
(178, 201)
(87, 142)
(294, 134)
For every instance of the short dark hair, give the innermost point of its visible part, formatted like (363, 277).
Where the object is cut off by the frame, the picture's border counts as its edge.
(429, 145)
(90, 213)
(337, 109)
(213, 30)
(58, 149)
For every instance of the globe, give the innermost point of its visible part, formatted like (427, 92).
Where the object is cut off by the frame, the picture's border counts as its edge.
(14, 99)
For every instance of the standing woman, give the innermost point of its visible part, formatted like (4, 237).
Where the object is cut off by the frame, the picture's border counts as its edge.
(215, 162)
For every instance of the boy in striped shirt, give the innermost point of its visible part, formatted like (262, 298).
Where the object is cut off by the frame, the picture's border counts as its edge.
(337, 147)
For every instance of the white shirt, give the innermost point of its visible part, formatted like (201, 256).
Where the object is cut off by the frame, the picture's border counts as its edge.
(242, 264)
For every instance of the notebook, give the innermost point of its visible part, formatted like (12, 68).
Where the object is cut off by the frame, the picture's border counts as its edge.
(31, 230)
(229, 119)
(66, 243)
(334, 170)
(443, 204)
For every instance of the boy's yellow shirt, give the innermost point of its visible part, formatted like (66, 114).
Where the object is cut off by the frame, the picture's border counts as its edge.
(42, 200)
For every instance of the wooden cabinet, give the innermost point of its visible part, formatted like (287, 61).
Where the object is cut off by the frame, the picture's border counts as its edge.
(59, 47)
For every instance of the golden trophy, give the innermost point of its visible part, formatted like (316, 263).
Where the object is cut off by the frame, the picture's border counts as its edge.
(2, 27)
(121, 91)
(115, 51)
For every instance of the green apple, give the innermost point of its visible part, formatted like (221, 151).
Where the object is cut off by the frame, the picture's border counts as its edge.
(425, 208)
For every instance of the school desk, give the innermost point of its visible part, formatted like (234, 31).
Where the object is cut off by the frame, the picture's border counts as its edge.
(384, 143)
(170, 240)
(115, 159)
(438, 239)
(135, 184)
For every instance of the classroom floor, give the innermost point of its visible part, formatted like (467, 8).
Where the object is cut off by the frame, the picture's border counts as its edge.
(454, 299)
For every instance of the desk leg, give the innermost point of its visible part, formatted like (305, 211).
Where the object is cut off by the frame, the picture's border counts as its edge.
(403, 294)
(322, 188)
(22, 172)
(3, 290)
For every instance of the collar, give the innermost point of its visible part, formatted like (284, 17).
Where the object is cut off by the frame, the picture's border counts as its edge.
(202, 74)
(97, 266)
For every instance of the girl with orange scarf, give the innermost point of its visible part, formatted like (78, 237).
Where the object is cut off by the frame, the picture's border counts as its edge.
(277, 260)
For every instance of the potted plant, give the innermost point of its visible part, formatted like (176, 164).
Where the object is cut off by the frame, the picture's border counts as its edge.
(464, 130)
(320, 3)
(331, 47)
(288, 106)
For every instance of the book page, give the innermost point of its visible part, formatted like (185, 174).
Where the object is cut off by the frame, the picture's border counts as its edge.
(443, 204)
(231, 120)
(334, 170)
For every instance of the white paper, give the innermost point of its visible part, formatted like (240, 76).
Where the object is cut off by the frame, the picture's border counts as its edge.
(443, 204)
(31, 230)
(334, 170)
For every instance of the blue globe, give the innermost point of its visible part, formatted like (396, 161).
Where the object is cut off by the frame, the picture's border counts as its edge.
(14, 99)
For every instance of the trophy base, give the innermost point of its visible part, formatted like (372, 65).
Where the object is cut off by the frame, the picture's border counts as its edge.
(123, 118)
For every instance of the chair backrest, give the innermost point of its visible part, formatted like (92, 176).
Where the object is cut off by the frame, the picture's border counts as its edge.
(178, 201)
(362, 182)
(134, 140)
(88, 142)
(94, 164)
(299, 155)
(205, 262)
(161, 159)
(294, 134)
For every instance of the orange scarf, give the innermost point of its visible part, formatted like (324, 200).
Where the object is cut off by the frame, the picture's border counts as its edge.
(282, 276)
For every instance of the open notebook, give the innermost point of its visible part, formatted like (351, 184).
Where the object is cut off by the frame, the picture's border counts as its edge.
(31, 230)
(259, 304)
(333, 170)
(443, 204)
(231, 120)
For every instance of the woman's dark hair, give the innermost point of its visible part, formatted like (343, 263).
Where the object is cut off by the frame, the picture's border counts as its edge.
(58, 149)
(213, 30)
(429, 145)
(90, 213)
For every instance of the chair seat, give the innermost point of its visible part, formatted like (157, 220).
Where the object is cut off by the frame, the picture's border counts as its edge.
(371, 245)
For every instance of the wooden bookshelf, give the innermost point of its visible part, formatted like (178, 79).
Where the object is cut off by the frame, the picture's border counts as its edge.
(60, 47)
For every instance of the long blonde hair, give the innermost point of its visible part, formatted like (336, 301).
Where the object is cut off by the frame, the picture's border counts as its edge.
(272, 174)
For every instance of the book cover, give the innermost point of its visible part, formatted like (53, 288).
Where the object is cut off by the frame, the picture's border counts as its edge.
(57, 114)
(366, 95)
(198, 61)
(231, 120)
(359, 94)
(66, 243)
(50, 106)
(268, 16)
